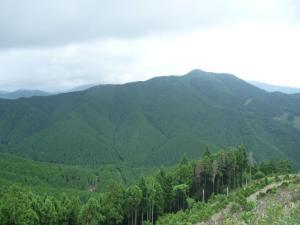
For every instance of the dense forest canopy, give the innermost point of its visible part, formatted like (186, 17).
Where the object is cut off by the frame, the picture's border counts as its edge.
(152, 123)
(167, 191)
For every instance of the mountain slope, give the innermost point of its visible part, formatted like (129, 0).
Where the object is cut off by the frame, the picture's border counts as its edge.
(153, 122)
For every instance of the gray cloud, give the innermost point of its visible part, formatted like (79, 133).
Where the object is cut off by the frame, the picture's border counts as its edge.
(58, 44)
(56, 22)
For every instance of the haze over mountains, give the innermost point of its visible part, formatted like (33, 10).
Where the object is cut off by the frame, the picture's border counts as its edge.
(22, 93)
(26, 93)
(275, 88)
(153, 122)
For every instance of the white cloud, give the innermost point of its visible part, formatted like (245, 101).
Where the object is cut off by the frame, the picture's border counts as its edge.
(253, 52)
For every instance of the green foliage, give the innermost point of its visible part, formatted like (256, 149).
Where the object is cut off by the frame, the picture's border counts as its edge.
(272, 190)
(185, 194)
(58, 178)
(259, 175)
(285, 184)
(90, 213)
(150, 123)
(244, 205)
(113, 204)
(15, 209)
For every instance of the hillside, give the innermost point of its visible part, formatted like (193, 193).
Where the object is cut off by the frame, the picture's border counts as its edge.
(57, 178)
(152, 122)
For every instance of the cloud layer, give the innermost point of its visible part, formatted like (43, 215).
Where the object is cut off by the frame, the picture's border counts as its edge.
(53, 45)
(56, 22)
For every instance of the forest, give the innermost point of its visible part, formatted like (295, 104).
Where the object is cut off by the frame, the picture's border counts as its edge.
(169, 190)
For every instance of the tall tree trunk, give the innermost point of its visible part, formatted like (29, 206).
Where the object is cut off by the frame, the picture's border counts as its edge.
(205, 186)
(147, 214)
(135, 216)
(152, 208)
(222, 185)
(250, 175)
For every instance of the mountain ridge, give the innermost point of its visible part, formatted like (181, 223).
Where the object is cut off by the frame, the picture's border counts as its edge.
(22, 93)
(152, 122)
(275, 88)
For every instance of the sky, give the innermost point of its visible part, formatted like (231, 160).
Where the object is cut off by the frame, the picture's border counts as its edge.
(53, 45)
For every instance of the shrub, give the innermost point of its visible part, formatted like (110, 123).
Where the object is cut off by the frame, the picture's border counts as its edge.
(272, 190)
(259, 175)
(235, 207)
(266, 181)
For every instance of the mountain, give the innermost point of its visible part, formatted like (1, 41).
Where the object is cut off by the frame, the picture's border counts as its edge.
(22, 93)
(153, 122)
(274, 88)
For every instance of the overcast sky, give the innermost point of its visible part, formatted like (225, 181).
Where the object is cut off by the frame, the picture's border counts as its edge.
(57, 44)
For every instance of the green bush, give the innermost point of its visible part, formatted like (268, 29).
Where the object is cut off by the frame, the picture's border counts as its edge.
(266, 180)
(284, 184)
(259, 175)
(272, 190)
(235, 207)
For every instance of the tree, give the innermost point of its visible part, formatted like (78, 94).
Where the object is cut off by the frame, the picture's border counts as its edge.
(49, 214)
(184, 173)
(207, 173)
(133, 198)
(90, 213)
(284, 167)
(199, 174)
(214, 172)
(113, 204)
(15, 209)
(165, 182)
(242, 163)
(252, 162)
(143, 205)
(73, 211)
(153, 198)
(180, 191)
(206, 152)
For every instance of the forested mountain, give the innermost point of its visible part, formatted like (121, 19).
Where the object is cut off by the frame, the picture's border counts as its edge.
(152, 122)
(22, 94)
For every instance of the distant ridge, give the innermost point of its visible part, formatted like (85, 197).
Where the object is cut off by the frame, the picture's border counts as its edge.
(274, 88)
(22, 93)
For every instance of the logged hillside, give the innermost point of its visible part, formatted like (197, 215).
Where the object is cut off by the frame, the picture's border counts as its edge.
(152, 122)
